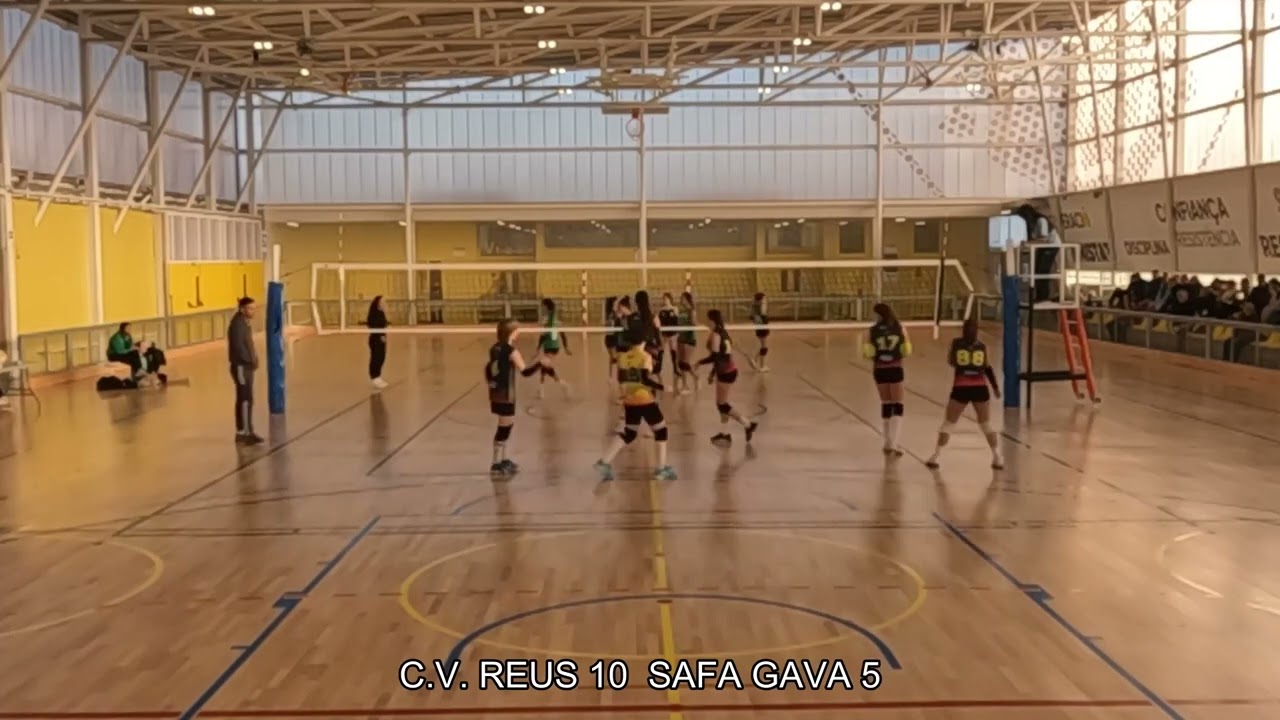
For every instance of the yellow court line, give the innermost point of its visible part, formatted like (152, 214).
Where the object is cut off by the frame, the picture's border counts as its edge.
(157, 569)
(661, 584)
(406, 603)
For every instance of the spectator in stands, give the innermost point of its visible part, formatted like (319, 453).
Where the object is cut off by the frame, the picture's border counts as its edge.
(1241, 338)
(1260, 295)
(1118, 328)
(1138, 292)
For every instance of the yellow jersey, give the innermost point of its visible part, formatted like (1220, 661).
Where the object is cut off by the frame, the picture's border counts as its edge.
(633, 365)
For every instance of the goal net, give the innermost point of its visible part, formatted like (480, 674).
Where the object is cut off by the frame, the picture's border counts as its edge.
(472, 297)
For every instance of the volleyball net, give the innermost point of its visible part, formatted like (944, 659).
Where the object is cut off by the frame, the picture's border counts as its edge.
(472, 297)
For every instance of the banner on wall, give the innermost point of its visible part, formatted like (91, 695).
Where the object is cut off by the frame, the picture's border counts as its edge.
(1211, 222)
(1141, 222)
(1084, 221)
(1267, 181)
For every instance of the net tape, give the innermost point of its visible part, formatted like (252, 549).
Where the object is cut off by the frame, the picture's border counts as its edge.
(666, 271)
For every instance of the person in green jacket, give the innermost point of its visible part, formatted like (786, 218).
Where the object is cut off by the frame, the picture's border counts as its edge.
(142, 358)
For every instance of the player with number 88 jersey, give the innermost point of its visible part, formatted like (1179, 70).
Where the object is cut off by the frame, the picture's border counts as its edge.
(973, 372)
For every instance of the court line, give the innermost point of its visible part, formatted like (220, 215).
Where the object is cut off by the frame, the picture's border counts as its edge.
(285, 605)
(662, 586)
(1041, 597)
(1162, 561)
(157, 569)
(412, 611)
(886, 653)
(420, 430)
(838, 403)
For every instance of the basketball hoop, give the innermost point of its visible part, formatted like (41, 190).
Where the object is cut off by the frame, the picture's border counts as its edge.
(635, 126)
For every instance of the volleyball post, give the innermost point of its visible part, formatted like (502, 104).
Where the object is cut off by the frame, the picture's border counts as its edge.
(275, 347)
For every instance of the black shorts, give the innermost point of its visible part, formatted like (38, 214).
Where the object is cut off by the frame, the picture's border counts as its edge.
(971, 393)
(650, 414)
(550, 351)
(611, 341)
(727, 378)
(502, 409)
(762, 334)
(888, 375)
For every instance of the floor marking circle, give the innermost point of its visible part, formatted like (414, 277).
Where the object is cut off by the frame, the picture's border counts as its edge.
(412, 611)
(157, 569)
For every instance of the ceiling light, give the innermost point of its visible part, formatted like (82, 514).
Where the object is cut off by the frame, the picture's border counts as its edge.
(403, 223)
(824, 6)
(899, 219)
(528, 9)
(292, 224)
(764, 89)
(201, 11)
(707, 221)
(557, 71)
(837, 6)
(304, 72)
(920, 223)
(500, 223)
(843, 223)
(538, 9)
(802, 41)
(262, 45)
(546, 44)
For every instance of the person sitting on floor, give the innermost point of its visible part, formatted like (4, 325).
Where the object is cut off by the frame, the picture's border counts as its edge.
(142, 358)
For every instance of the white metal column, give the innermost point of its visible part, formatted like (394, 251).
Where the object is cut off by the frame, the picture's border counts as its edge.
(410, 232)
(644, 205)
(89, 138)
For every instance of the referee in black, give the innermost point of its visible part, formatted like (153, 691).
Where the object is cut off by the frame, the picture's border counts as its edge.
(244, 360)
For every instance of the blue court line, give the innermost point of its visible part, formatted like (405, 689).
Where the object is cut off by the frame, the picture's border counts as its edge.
(1041, 598)
(285, 605)
(456, 653)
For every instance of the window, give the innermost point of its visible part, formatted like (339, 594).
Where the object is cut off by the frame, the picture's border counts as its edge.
(853, 237)
(701, 233)
(506, 239)
(793, 236)
(927, 239)
(593, 234)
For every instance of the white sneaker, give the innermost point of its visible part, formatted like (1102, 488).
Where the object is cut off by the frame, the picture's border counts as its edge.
(378, 383)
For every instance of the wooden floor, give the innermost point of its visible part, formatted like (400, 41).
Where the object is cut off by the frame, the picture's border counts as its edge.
(1124, 565)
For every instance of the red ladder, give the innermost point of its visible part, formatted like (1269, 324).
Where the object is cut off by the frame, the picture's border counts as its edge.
(1075, 342)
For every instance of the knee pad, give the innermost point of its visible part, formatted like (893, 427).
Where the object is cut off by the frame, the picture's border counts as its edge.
(724, 408)
(764, 351)
(629, 434)
(886, 411)
(947, 428)
(987, 429)
(898, 409)
(549, 372)
(685, 367)
(660, 434)
(504, 432)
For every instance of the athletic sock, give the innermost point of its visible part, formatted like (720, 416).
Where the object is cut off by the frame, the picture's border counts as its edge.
(739, 417)
(662, 454)
(615, 447)
(499, 452)
(894, 425)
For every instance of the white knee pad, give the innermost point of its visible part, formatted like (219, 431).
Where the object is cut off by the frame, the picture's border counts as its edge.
(987, 429)
(947, 428)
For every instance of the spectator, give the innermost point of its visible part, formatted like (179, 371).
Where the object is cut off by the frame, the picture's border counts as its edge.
(1118, 328)
(243, 357)
(1241, 338)
(143, 358)
(1260, 295)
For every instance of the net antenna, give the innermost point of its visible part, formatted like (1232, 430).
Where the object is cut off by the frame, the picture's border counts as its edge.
(815, 295)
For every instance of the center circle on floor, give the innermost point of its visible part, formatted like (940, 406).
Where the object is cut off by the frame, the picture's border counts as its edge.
(912, 580)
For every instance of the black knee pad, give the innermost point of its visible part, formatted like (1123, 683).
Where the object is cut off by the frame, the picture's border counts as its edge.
(549, 371)
(660, 435)
(898, 409)
(629, 435)
(886, 410)
(764, 351)
(685, 367)
(504, 432)
(724, 408)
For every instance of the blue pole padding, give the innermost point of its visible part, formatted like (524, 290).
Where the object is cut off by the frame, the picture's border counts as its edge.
(275, 347)
(1010, 287)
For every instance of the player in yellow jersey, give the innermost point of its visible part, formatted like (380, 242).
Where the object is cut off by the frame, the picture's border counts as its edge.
(640, 404)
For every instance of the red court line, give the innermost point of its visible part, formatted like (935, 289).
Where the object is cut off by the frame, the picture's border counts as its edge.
(640, 707)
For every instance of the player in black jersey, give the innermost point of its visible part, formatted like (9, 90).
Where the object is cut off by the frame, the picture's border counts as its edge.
(500, 375)
(645, 325)
(669, 317)
(686, 341)
(724, 372)
(759, 317)
(968, 355)
(887, 344)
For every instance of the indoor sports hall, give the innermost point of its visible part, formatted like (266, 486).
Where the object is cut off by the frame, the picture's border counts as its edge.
(643, 359)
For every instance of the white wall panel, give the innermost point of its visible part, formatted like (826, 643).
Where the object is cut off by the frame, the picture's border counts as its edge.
(226, 175)
(40, 133)
(121, 149)
(182, 160)
(126, 93)
(370, 177)
(1270, 150)
(187, 116)
(597, 176)
(955, 173)
(50, 61)
(693, 175)
(1213, 140)
(340, 129)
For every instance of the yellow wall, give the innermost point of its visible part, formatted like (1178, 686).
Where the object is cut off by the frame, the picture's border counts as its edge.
(199, 287)
(52, 268)
(128, 267)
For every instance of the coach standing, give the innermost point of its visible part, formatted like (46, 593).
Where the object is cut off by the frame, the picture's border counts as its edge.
(244, 360)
